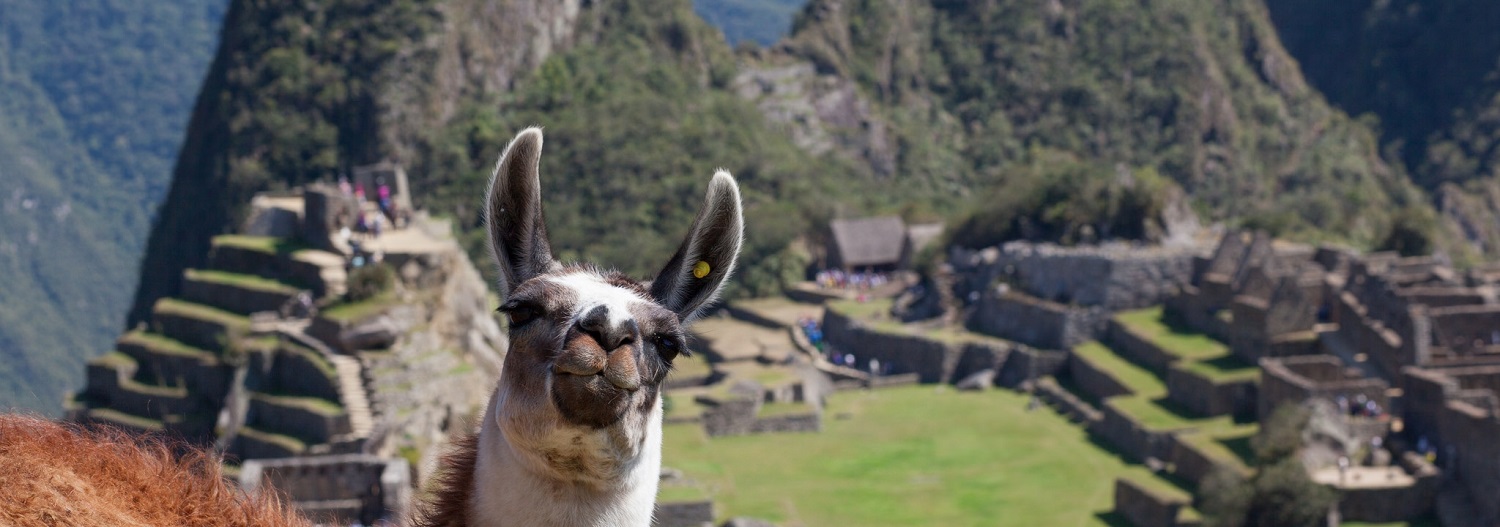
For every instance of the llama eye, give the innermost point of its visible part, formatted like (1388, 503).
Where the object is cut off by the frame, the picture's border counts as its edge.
(520, 312)
(669, 346)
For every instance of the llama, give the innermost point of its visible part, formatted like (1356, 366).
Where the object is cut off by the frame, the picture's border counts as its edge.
(572, 433)
(63, 474)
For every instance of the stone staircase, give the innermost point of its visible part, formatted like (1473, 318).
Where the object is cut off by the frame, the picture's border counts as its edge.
(352, 392)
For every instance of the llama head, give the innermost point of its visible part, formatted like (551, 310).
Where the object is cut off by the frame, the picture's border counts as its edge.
(589, 348)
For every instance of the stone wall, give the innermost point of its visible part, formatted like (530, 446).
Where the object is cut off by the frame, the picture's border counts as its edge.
(283, 416)
(1206, 397)
(1134, 440)
(1193, 309)
(1393, 504)
(1113, 276)
(1024, 364)
(812, 421)
(1292, 380)
(1094, 380)
(340, 489)
(1194, 464)
(932, 360)
(280, 267)
(1382, 344)
(1138, 349)
(1036, 322)
(683, 514)
(293, 369)
(1457, 409)
(1145, 508)
(232, 298)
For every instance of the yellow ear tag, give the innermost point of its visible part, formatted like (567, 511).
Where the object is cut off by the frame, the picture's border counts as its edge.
(700, 269)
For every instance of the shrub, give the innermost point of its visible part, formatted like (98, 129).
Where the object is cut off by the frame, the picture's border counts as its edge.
(369, 281)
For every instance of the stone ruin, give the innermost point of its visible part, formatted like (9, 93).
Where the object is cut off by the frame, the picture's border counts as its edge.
(263, 357)
(1057, 297)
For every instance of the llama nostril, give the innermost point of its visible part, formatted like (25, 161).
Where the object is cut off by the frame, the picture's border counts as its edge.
(596, 324)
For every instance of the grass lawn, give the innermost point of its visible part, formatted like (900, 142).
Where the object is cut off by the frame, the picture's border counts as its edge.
(1148, 323)
(917, 455)
(863, 310)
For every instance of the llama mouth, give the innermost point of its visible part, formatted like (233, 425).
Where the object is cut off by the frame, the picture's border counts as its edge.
(590, 400)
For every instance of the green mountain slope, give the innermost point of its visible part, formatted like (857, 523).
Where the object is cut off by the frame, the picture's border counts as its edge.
(92, 96)
(1200, 91)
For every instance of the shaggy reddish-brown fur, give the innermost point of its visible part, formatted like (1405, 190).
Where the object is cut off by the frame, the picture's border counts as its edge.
(62, 474)
(453, 484)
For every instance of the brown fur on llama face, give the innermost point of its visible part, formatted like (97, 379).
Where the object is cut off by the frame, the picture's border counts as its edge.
(63, 474)
(572, 435)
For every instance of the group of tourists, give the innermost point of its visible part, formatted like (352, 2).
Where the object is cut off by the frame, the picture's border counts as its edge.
(1360, 406)
(838, 279)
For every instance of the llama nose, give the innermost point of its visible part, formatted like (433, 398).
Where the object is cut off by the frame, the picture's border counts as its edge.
(609, 336)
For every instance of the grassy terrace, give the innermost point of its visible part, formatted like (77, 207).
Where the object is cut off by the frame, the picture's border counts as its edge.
(315, 405)
(875, 314)
(351, 312)
(243, 281)
(912, 456)
(121, 418)
(285, 441)
(173, 306)
(115, 360)
(265, 244)
(312, 356)
(165, 345)
(1200, 353)
(1139, 380)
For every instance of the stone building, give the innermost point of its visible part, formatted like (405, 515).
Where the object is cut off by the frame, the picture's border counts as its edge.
(1056, 297)
(881, 243)
(1457, 410)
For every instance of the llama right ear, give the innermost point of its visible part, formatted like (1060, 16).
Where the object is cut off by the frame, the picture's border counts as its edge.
(513, 213)
(696, 273)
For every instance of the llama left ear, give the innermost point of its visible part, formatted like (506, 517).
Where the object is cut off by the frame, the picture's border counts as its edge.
(694, 276)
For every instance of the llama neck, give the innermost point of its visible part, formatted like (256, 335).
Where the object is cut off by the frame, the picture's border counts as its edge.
(514, 484)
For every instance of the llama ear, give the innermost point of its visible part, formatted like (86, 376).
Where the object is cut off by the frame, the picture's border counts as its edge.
(513, 213)
(694, 276)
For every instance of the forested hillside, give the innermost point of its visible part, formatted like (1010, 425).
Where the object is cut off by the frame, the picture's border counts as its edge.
(921, 107)
(1429, 72)
(93, 96)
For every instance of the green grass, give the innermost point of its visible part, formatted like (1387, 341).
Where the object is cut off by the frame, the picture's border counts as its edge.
(351, 312)
(121, 418)
(1139, 380)
(1222, 370)
(173, 306)
(862, 310)
(265, 244)
(312, 356)
(780, 409)
(694, 366)
(165, 345)
(312, 404)
(243, 281)
(296, 446)
(115, 360)
(677, 493)
(774, 377)
(1148, 324)
(910, 456)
